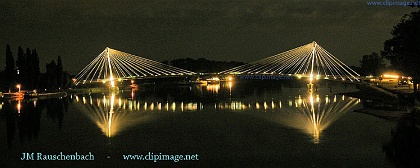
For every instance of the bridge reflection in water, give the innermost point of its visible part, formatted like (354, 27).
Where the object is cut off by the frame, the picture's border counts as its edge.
(311, 112)
(112, 113)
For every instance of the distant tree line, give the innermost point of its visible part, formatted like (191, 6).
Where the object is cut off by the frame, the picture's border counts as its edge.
(202, 65)
(26, 72)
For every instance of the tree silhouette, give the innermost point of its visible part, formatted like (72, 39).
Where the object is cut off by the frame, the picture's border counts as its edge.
(403, 49)
(372, 64)
(33, 69)
(9, 72)
(55, 77)
(27, 70)
(59, 72)
(36, 70)
(51, 78)
(27, 74)
(21, 65)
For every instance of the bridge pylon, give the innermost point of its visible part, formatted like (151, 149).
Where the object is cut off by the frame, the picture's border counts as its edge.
(112, 65)
(310, 60)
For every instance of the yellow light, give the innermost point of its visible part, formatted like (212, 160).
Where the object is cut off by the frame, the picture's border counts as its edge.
(152, 106)
(132, 94)
(18, 86)
(390, 76)
(213, 88)
(84, 100)
(111, 79)
(173, 107)
(299, 101)
(19, 106)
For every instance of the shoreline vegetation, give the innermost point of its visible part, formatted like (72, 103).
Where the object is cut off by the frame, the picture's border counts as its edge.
(384, 101)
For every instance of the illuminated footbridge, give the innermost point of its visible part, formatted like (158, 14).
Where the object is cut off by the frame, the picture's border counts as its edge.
(310, 60)
(113, 65)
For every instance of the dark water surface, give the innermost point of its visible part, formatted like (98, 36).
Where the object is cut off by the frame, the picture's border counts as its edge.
(255, 124)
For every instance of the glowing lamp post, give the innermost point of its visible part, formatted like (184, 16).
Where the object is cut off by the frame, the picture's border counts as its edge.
(18, 86)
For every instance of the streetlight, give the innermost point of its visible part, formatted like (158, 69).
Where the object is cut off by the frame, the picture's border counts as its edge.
(18, 86)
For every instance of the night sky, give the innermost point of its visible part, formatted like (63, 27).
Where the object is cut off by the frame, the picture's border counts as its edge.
(225, 30)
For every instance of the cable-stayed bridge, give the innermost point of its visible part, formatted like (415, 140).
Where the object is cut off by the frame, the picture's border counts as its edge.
(310, 60)
(112, 65)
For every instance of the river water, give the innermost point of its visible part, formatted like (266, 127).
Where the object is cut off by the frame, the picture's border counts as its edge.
(231, 124)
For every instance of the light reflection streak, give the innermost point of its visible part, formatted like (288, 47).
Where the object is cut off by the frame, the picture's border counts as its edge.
(19, 106)
(109, 116)
(312, 115)
(113, 114)
(173, 106)
(213, 88)
(111, 111)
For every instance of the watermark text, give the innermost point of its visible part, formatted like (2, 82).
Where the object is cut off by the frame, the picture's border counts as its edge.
(264, 77)
(162, 157)
(393, 3)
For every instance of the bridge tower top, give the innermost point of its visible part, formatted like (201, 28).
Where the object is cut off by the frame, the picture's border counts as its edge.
(111, 65)
(310, 60)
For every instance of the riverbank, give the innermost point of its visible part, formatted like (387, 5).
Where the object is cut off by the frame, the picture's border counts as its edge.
(385, 114)
(382, 102)
(372, 92)
(23, 95)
